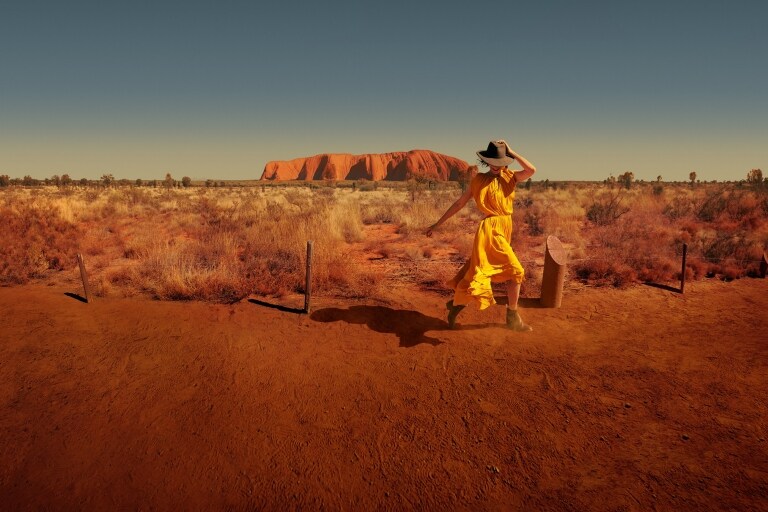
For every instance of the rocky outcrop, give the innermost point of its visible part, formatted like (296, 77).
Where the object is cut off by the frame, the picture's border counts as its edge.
(418, 163)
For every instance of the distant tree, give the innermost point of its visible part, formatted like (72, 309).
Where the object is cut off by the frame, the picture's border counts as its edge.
(139, 182)
(186, 181)
(658, 179)
(208, 183)
(528, 184)
(107, 180)
(65, 180)
(692, 177)
(414, 185)
(28, 181)
(610, 181)
(627, 178)
(168, 181)
(222, 184)
(755, 177)
(83, 182)
(5, 180)
(56, 180)
(124, 182)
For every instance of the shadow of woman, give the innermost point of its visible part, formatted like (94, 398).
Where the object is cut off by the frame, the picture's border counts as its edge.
(409, 326)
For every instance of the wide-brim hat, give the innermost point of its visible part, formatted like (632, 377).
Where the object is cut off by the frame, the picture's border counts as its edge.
(497, 154)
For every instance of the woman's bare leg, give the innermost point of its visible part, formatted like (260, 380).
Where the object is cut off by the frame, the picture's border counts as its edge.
(514, 321)
(513, 294)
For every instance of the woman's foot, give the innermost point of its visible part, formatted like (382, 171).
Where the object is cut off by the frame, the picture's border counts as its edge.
(516, 323)
(453, 312)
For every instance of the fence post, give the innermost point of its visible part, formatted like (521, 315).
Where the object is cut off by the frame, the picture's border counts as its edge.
(308, 284)
(682, 273)
(554, 273)
(84, 277)
(764, 265)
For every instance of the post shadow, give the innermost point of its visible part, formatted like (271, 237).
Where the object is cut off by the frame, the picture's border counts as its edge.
(278, 307)
(663, 287)
(76, 297)
(409, 326)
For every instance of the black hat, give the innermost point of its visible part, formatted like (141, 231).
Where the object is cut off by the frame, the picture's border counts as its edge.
(497, 154)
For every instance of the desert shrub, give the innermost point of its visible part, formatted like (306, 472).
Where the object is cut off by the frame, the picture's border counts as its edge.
(631, 249)
(554, 212)
(367, 187)
(136, 196)
(386, 213)
(711, 206)
(346, 221)
(678, 207)
(35, 239)
(603, 272)
(534, 223)
(216, 218)
(606, 209)
(92, 194)
(417, 216)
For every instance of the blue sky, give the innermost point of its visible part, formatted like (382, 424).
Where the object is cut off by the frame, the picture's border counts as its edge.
(215, 90)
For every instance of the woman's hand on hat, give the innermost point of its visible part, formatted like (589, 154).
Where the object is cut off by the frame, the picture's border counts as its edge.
(510, 151)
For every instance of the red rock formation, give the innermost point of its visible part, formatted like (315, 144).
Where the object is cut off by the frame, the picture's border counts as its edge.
(385, 166)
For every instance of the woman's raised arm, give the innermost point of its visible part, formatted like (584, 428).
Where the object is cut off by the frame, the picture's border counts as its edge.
(528, 167)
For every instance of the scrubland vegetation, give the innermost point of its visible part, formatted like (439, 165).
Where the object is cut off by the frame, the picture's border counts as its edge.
(222, 244)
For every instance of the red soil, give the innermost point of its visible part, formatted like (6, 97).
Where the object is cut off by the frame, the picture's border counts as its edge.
(641, 399)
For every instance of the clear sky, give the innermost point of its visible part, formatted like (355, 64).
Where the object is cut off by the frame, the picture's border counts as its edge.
(217, 89)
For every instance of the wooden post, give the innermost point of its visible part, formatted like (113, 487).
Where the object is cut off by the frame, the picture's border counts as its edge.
(764, 265)
(554, 273)
(682, 273)
(84, 277)
(308, 285)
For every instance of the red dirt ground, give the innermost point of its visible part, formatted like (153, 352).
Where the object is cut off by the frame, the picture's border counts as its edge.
(638, 399)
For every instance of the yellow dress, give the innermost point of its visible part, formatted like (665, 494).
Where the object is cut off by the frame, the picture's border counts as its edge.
(493, 259)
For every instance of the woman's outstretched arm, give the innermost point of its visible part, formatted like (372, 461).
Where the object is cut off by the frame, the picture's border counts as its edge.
(452, 210)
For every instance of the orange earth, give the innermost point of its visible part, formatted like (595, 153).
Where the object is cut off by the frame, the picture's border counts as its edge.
(638, 399)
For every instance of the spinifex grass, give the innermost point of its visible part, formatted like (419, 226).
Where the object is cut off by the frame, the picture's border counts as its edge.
(222, 244)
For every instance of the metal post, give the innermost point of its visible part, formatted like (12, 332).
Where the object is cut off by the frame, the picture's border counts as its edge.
(682, 273)
(84, 277)
(554, 273)
(308, 285)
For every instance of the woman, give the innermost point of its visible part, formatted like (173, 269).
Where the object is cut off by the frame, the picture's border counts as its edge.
(493, 259)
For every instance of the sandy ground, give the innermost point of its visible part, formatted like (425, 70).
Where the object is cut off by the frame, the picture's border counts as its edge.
(641, 399)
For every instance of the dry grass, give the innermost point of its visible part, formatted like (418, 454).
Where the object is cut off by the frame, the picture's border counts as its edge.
(36, 239)
(223, 244)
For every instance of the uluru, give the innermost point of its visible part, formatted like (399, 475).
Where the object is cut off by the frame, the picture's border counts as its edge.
(397, 166)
